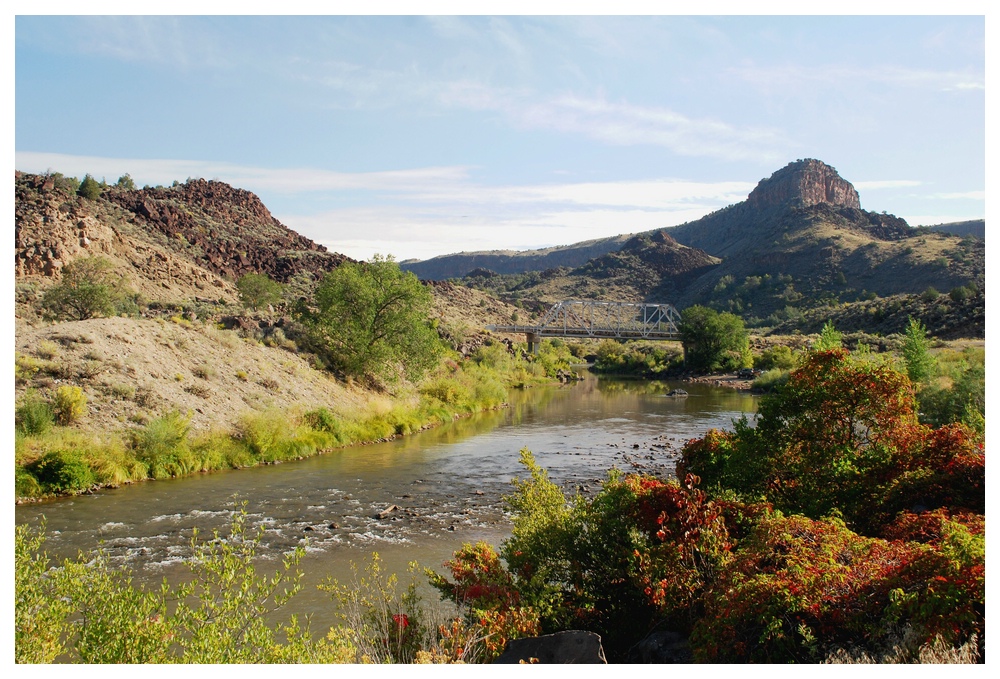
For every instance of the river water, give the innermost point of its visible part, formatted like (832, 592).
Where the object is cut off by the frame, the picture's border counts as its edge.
(446, 483)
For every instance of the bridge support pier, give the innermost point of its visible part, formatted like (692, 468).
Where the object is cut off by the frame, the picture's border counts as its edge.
(532, 343)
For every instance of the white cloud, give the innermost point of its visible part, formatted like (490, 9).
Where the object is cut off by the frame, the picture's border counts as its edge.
(932, 220)
(886, 184)
(962, 195)
(412, 234)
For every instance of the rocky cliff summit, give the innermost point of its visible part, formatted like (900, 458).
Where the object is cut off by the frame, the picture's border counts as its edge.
(804, 183)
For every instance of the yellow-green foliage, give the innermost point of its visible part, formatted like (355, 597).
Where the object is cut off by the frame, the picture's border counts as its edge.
(47, 349)
(272, 436)
(69, 404)
(380, 622)
(222, 614)
(25, 367)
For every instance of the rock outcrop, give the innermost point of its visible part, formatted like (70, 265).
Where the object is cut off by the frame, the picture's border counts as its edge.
(194, 234)
(804, 183)
(574, 647)
(227, 230)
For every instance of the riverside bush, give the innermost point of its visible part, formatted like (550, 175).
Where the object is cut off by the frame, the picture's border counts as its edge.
(162, 445)
(63, 471)
(485, 591)
(615, 358)
(271, 436)
(841, 436)
(798, 588)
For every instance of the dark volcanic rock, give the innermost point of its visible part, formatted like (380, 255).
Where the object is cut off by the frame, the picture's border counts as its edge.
(226, 230)
(571, 647)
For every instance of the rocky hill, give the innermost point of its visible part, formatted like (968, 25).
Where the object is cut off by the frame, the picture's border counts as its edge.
(800, 241)
(190, 235)
(193, 348)
(653, 266)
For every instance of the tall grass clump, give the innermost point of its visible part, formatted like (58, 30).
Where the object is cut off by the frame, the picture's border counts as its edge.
(33, 416)
(273, 436)
(162, 445)
(771, 379)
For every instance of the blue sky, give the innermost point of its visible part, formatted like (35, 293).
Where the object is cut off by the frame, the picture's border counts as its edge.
(420, 136)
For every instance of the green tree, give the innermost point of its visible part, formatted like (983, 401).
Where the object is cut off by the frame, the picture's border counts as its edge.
(919, 363)
(829, 338)
(258, 290)
(371, 319)
(89, 188)
(89, 288)
(714, 341)
(125, 182)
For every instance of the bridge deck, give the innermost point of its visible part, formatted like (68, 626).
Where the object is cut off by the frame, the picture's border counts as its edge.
(602, 333)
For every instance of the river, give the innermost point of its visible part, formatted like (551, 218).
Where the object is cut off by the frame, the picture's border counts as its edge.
(446, 482)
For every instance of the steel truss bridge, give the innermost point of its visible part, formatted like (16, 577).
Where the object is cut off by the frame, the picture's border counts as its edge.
(601, 320)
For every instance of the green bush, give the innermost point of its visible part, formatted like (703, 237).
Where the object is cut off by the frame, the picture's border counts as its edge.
(771, 380)
(829, 338)
(63, 471)
(714, 341)
(644, 360)
(89, 287)
(919, 362)
(271, 436)
(90, 188)
(33, 415)
(258, 291)
(126, 182)
(781, 357)
(85, 611)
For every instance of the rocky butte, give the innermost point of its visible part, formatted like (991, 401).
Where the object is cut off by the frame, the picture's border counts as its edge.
(805, 183)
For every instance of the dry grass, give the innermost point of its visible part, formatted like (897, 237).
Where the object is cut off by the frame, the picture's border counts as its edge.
(905, 650)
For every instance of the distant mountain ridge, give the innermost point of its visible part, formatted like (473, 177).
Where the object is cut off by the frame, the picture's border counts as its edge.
(511, 261)
(974, 227)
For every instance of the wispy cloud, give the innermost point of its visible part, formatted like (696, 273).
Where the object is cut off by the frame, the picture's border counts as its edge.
(625, 124)
(164, 40)
(415, 234)
(785, 76)
(961, 195)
